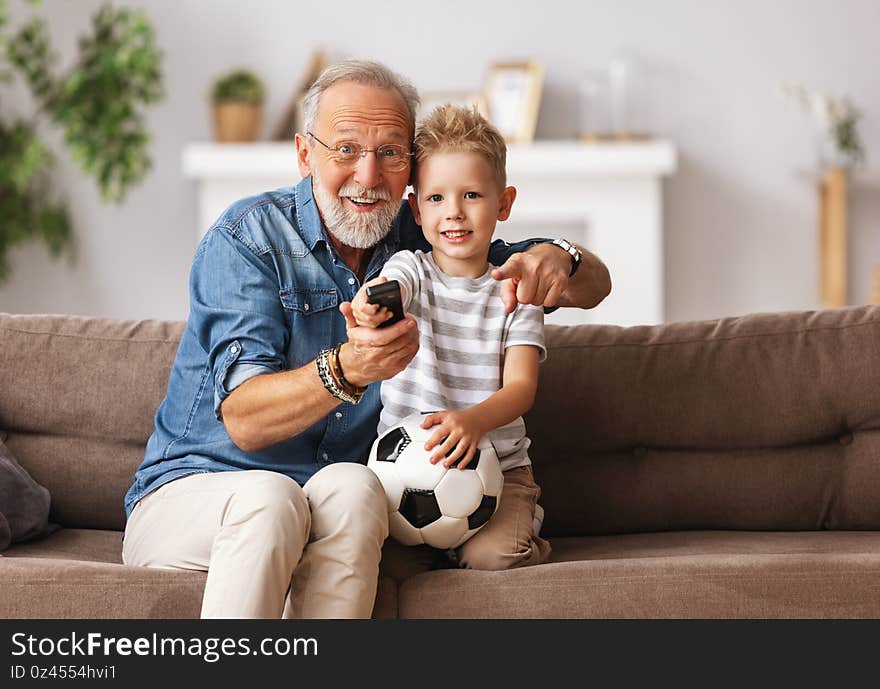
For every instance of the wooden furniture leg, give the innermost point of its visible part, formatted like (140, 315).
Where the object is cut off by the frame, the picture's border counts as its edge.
(875, 287)
(832, 238)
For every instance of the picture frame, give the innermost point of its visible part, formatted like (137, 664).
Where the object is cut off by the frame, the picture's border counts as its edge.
(512, 98)
(292, 119)
(433, 99)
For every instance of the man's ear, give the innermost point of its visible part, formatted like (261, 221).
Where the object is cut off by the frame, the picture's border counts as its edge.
(505, 203)
(415, 207)
(303, 154)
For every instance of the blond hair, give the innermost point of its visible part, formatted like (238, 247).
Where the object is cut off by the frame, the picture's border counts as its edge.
(453, 128)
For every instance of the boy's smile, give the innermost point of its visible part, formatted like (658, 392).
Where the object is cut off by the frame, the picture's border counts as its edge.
(459, 201)
(456, 236)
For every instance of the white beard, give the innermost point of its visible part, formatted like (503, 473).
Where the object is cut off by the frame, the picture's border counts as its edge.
(357, 230)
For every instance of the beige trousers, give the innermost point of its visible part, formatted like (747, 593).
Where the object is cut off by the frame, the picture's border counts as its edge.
(509, 540)
(260, 536)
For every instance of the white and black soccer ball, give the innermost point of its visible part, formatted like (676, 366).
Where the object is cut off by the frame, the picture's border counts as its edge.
(428, 503)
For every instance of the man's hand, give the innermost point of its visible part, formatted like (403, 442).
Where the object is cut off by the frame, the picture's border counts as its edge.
(373, 354)
(456, 436)
(538, 276)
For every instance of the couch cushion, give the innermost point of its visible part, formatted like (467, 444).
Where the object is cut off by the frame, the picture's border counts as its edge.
(668, 575)
(78, 399)
(84, 377)
(683, 543)
(39, 587)
(85, 545)
(86, 476)
(768, 421)
(78, 573)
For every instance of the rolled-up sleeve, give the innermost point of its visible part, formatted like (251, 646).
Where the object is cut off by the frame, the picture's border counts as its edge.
(236, 312)
(500, 251)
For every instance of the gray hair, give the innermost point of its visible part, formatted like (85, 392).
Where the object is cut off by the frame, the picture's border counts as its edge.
(361, 72)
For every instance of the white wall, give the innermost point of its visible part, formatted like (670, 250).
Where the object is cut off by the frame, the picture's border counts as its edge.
(740, 222)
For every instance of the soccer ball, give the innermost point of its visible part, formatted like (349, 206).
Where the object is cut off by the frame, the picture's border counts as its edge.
(428, 503)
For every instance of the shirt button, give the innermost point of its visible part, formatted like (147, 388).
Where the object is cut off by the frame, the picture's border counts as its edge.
(325, 456)
(339, 415)
(233, 349)
(350, 281)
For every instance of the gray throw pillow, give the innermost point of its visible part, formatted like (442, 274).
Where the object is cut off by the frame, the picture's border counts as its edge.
(24, 503)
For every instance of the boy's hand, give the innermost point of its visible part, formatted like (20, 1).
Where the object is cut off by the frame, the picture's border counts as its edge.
(367, 314)
(456, 436)
(373, 354)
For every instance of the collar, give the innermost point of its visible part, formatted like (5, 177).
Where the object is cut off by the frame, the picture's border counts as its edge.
(311, 227)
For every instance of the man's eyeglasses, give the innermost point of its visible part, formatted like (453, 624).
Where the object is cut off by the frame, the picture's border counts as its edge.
(391, 157)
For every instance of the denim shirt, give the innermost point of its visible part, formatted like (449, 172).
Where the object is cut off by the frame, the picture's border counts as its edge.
(264, 290)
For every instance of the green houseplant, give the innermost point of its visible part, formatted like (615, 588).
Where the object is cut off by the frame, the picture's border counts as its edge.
(97, 103)
(838, 143)
(237, 99)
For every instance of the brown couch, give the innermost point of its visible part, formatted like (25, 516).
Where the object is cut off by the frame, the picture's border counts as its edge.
(724, 468)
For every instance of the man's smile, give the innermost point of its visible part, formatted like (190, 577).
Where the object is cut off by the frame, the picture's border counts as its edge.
(361, 201)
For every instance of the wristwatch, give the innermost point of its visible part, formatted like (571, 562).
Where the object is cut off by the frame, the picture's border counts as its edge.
(572, 251)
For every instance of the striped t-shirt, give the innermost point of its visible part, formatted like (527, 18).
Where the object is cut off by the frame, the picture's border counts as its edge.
(463, 332)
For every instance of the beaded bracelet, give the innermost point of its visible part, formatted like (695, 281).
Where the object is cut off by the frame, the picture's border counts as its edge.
(336, 366)
(322, 363)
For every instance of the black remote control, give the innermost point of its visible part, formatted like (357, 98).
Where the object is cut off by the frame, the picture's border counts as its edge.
(387, 294)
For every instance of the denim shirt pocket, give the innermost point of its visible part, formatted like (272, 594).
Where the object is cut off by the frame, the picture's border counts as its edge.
(313, 320)
(308, 301)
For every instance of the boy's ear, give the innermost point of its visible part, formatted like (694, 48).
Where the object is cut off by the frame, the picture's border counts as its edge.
(303, 154)
(415, 207)
(505, 203)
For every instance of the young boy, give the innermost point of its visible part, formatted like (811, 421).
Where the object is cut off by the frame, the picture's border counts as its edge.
(476, 363)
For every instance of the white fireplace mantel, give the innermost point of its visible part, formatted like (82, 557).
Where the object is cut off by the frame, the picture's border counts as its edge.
(607, 196)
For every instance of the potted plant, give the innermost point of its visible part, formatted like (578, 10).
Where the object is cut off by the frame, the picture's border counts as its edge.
(238, 106)
(838, 143)
(99, 105)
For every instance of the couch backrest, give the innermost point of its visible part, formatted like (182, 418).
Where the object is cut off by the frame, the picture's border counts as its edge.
(769, 421)
(77, 401)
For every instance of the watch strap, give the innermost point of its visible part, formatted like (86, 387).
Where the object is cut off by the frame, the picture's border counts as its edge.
(572, 251)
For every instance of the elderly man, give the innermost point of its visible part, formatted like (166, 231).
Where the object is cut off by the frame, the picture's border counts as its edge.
(255, 471)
